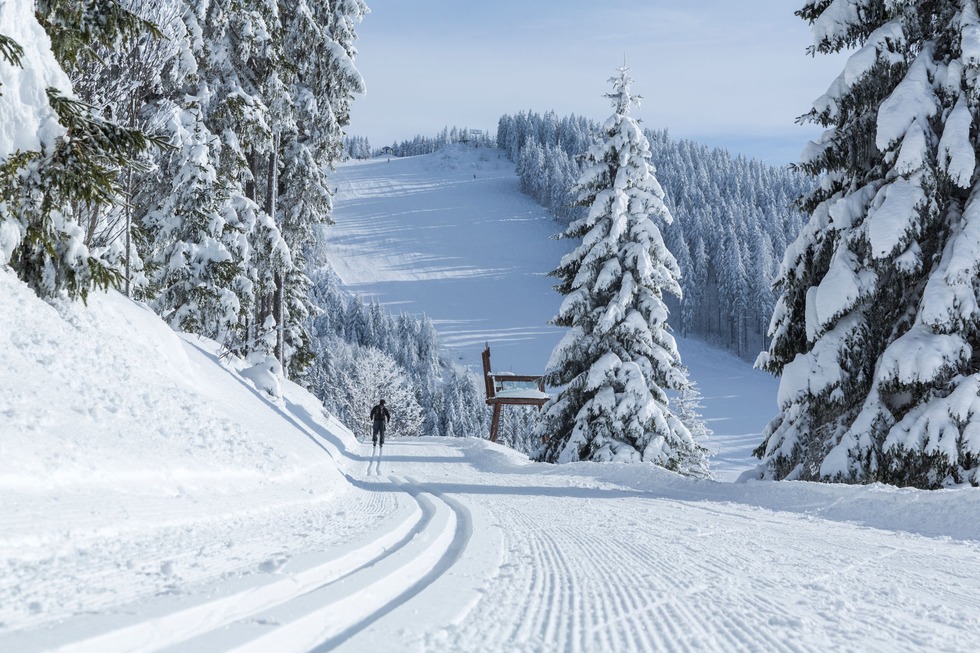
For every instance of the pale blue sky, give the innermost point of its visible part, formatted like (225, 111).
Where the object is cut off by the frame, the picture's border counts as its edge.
(723, 72)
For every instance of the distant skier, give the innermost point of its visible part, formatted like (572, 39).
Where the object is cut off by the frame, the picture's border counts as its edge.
(381, 417)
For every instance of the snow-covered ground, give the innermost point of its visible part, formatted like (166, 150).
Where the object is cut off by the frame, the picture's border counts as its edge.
(152, 499)
(450, 235)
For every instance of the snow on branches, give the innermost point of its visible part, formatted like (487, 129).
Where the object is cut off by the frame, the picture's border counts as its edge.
(876, 334)
(618, 358)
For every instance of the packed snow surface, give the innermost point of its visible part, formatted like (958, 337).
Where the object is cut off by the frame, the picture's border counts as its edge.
(151, 498)
(450, 235)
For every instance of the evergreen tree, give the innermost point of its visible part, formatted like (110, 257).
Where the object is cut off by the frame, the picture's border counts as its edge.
(689, 411)
(877, 331)
(47, 194)
(719, 200)
(132, 83)
(617, 358)
(321, 91)
(247, 72)
(195, 254)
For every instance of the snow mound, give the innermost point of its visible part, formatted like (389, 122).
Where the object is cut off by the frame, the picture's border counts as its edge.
(132, 458)
(26, 120)
(129, 405)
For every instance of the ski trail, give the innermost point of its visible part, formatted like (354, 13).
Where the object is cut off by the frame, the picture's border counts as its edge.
(701, 577)
(462, 533)
(536, 559)
(176, 617)
(325, 616)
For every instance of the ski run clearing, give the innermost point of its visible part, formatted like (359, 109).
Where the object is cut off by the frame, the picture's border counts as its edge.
(152, 499)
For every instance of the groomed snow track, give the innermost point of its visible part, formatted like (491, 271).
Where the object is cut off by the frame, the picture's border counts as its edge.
(316, 607)
(482, 552)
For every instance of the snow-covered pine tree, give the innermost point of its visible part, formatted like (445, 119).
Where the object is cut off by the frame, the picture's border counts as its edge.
(194, 264)
(27, 69)
(308, 100)
(877, 331)
(616, 360)
(133, 83)
(719, 201)
(240, 78)
(689, 411)
(72, 176)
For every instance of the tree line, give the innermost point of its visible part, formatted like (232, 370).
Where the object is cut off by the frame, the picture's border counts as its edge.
(733, 215)
(358, 147)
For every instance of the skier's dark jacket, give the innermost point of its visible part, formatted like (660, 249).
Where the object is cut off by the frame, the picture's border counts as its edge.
(380, 414)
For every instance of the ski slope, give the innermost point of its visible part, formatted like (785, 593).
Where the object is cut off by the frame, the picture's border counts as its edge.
(152, 499)
(451, 236)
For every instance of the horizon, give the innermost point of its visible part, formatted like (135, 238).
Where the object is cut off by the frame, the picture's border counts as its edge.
(433, 65)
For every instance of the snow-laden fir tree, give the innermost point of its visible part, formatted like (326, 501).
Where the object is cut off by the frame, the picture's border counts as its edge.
(62, 172)
(719, 202)
(28, 68)
(238, 46)
(877, 331)
(193, 259)
(688, 408)
(322, 91)
(617, 359)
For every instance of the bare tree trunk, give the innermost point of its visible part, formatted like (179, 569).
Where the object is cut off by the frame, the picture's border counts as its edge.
(86, 210)
(251, 186)
(254, 322)
(129, 204)
(129, 229)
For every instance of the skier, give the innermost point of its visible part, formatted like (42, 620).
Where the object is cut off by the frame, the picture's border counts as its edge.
(380, 416)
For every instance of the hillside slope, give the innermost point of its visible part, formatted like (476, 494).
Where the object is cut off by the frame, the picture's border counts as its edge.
(451, 235)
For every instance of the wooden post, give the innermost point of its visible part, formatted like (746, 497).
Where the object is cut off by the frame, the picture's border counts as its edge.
(487, 379)
(495, 422)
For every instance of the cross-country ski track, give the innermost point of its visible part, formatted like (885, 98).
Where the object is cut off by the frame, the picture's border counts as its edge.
(479, 550)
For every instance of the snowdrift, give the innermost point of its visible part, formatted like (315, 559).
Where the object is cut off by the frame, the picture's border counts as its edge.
(128, 406)
(128, 449)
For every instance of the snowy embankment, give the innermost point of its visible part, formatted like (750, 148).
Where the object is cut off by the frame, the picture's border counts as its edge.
(133, 461)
